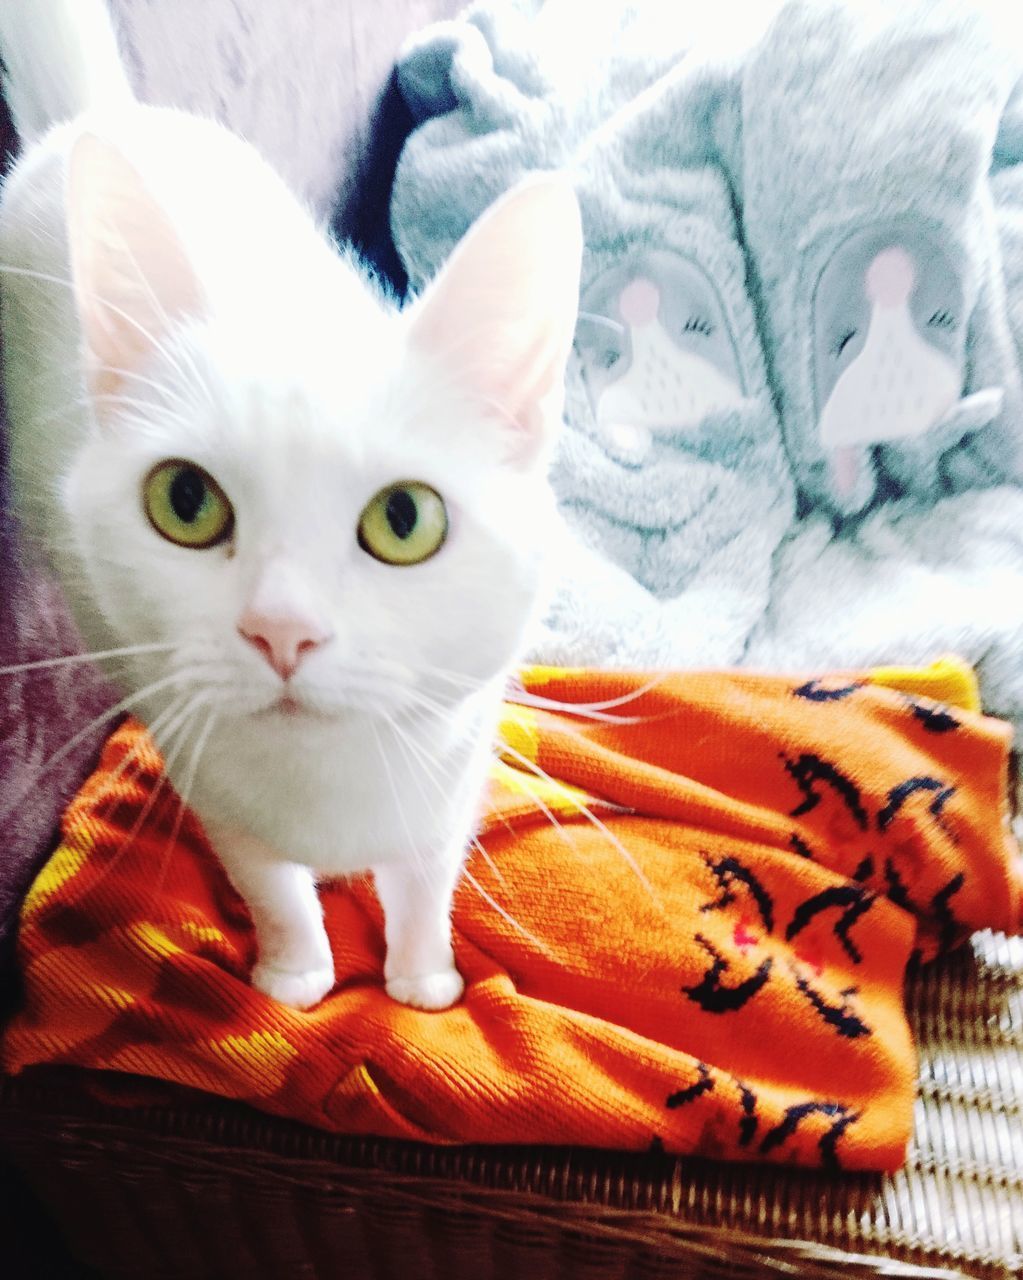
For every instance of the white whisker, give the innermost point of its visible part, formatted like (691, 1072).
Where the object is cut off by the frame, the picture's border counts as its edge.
(573, 799)
(531, 937)
(154, 342)
(185, 793)
(180, 728)
(516, 693)
(416, 757)
(399, 808)
(480, 848)
(604, 321)
(523, 698)
(192, 367)
(160, 388)
(591, 817)
(169, 713)
(76, 658)
(123, 705)
(546, 810)
(8, 269)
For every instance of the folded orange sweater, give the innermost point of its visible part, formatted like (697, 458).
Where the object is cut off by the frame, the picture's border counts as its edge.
(706, 953)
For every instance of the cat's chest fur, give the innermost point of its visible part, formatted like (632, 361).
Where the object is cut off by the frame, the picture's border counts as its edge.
(343, 796)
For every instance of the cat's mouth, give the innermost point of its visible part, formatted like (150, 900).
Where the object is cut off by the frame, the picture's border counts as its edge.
(360, 694)
(288, 707)
(296, 709)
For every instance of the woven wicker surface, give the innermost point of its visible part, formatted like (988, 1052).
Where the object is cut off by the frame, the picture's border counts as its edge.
(204, 1188)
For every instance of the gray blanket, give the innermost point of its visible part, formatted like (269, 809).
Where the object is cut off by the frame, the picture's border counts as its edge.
(793, 427)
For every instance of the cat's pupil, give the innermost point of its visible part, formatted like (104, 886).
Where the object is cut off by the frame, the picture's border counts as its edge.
(187, 494)
(402, 513)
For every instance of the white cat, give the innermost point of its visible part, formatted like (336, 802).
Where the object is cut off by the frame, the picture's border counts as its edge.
(320, 521)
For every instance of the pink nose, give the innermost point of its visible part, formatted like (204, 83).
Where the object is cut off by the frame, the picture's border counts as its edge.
(283, 642)
(890, 278)
(639, 302)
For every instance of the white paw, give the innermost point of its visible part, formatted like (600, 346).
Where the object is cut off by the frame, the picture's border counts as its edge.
(431, 991)
(300, 989)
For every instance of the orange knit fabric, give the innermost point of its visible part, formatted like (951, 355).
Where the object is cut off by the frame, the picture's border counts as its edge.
(710, 959)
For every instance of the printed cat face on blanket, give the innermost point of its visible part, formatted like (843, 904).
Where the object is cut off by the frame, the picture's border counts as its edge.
(889, 345)
(657, 360)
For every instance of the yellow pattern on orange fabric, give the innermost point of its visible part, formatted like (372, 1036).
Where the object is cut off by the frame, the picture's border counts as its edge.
(203, 932)
(115, 997)
(153, 940)
(261, 1055)
(949, 680)
(63, 866)
(517, 733)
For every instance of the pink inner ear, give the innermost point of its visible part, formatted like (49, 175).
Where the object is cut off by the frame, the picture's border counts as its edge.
(639, 302)
(501, 313)
(132, 276)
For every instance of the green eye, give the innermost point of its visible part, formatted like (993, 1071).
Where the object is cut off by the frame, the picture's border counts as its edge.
(185, 505)
(405, 523)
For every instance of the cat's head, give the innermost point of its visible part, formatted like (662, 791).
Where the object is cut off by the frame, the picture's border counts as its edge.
(320, 503)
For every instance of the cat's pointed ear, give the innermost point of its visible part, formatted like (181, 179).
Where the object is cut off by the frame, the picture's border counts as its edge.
(502, 311)
(131, 275)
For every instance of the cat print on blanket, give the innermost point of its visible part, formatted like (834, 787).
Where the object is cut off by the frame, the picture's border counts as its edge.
(889, 347)
(656, 353)
(291, 515)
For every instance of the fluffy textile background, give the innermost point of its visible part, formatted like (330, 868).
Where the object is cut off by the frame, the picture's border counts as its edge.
(740, 173)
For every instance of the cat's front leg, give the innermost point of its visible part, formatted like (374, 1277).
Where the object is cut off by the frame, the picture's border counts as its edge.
(295, 964)
(419, 968)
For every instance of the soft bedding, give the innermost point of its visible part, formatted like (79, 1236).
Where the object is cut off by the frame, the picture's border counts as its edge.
(685, 923)
(794, 428)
